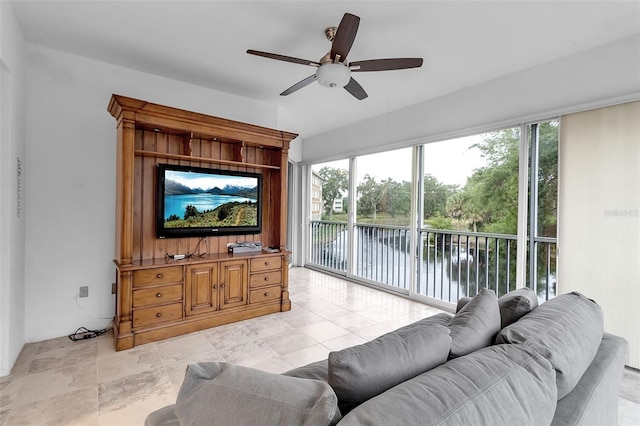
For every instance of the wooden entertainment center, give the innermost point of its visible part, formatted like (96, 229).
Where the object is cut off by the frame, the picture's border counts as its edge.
(158, 296)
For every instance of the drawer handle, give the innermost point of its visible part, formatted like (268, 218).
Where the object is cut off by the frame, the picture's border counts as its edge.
(266, 278)
(159, 314)
(221, 285)
(159, 276)
(215, 286)
(159, 295)
(266, 293)
(266, 263)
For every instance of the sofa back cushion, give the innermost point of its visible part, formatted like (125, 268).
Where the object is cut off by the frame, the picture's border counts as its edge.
(226, 394)
(498, 385)
(566, 330)
(516, 304)
(513, 305)
(364, 371)
(475, 325)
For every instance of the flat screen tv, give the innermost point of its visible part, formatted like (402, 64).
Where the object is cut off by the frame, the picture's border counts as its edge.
(198, 202)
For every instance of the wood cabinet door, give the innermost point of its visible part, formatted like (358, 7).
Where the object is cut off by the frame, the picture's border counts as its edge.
(234, 278)
(201, 289)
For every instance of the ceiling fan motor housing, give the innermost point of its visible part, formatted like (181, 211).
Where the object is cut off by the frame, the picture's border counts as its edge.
(333, 75)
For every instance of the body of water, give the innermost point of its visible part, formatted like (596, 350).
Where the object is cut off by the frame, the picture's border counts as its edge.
(176, 204)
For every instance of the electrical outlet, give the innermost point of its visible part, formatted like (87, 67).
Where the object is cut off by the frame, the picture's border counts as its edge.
(84, 291)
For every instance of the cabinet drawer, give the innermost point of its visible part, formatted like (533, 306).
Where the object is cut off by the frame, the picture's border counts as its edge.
(266, 263)
(157, 295)
(264, 294)
(146, 277)
(157, 314)
(265, 278)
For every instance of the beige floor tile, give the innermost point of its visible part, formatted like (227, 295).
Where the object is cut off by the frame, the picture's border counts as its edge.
(183, 347)
(343, 342)
(79, 407)
(56, 382)
(628, 413)
(323, 331)
(307, 355)
(249, 353)
(125, 363)
(131, 398)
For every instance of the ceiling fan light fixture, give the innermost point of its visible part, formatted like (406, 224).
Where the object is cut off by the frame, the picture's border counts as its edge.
(333, 75)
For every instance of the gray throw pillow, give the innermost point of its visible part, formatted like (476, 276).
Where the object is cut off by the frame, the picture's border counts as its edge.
(364, 371)
(226, 394)
(515, 304)
(566, 330)
(475, 325)
(499, 385)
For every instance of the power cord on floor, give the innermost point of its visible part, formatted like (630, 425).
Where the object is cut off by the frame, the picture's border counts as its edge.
(84, 333)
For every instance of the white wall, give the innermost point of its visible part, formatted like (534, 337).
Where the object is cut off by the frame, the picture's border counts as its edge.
(70, 152)
(599, 215)
(607, 74)
(12, 197)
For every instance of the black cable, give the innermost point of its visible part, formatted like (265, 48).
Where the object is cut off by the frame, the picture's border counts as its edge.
(173, 256)
(84, 333)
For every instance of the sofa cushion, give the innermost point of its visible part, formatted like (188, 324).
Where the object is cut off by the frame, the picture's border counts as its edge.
(566, 330)
(475, 325)
(237, 395)
(361, 372)
(316, 370)
(516, 304)
(513, 305)
(497, 385)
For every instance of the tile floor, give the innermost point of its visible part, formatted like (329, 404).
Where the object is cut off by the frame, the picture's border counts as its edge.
(60, 382)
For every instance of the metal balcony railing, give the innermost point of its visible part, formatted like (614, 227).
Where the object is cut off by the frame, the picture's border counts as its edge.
(452, 264)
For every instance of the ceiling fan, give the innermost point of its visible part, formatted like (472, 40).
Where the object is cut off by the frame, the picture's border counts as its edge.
(333, 69)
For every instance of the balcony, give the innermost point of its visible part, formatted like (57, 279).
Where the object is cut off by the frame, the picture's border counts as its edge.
(453, 264)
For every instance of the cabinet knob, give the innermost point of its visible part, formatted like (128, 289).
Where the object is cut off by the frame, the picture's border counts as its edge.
(266, 263)
(159, 314)
(159, 295)
(266, 293)
(159, 276)
(215, 286)
(266, 278)
(221, 285)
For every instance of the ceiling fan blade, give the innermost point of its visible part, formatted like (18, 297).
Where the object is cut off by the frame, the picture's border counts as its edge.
(355, 89)
(385, 64)
(283, 58)
(299, 85)
(345, 35)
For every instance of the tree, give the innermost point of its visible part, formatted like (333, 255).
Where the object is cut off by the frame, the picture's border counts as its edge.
(395, 197)
(335, 181)
(435, 196)
(455, 207)
(494, 187)
(370, 195)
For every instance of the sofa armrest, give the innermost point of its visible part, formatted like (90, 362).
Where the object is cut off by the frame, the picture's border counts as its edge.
(594, 400)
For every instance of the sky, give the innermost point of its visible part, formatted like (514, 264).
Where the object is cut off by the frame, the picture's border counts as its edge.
(205, 181)
(451, 162)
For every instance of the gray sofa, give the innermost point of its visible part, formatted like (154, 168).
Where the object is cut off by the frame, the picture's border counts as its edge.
(500, 361)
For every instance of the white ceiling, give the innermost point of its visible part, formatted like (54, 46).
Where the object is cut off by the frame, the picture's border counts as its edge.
(463, 43)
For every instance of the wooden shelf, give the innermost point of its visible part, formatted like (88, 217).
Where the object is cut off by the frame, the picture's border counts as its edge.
(144, 153)
(157, 297)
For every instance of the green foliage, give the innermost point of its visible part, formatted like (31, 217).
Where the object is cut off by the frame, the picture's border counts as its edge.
(190, 211)
(435, 196)
(369, 196)
(335, 182)
(173, 217)
(440, 222)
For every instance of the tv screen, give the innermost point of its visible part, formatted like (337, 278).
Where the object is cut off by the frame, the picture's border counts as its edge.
(197, 202)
